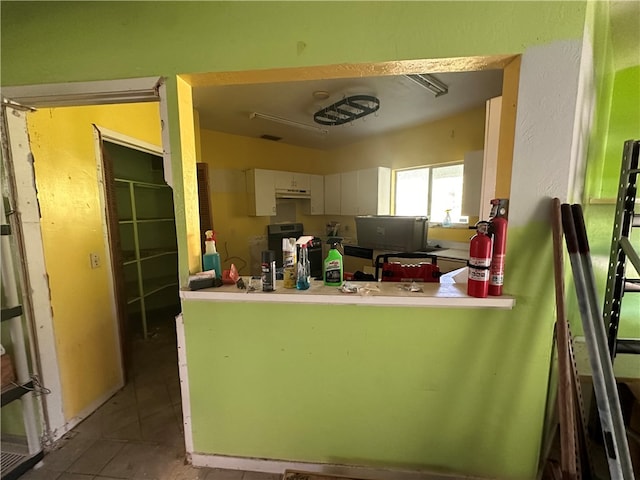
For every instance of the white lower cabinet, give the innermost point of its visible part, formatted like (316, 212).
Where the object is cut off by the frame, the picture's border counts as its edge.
(261, 192)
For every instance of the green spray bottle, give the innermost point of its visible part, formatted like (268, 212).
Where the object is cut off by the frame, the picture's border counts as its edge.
(332, 268)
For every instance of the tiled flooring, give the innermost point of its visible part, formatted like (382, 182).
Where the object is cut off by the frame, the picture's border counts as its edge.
(137, 434)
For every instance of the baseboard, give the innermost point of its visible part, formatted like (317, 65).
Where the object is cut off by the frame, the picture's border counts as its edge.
(58, 433)
(279, 467)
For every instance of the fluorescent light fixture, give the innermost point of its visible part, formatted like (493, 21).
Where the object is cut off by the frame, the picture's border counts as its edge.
(285, 121)
(429, 82)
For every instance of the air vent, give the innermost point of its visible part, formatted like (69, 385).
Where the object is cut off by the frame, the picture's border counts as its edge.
(273, 138)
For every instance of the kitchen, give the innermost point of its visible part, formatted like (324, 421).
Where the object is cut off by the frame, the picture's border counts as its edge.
(331, 161)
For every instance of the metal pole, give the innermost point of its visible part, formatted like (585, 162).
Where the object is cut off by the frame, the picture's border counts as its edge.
(601, 339)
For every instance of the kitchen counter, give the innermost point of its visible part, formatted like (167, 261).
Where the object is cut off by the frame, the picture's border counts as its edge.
(371, 293)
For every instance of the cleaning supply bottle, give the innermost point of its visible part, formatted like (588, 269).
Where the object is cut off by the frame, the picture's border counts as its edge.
(447, 219)
(332, 270)
(289, 274)
(211, 258)
(303, 281)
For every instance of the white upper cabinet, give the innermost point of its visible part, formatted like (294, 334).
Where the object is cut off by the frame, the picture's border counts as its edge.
(316, 185)
(374, 191)
(292, 181)
(490, 162)
(332, 194)
(349, 193)
(472, 183)
(261, 192)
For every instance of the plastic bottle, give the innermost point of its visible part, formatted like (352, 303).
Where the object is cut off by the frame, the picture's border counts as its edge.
(211, 258)
(289, 262)
(332, 270)
(304, 269)
(447, 219)
(268, 271)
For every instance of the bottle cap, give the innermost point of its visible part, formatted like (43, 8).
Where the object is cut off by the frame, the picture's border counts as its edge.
(268, 256)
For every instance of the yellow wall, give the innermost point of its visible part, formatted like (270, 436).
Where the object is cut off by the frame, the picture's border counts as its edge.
(228, 156)
(442, 141)
(62, 141)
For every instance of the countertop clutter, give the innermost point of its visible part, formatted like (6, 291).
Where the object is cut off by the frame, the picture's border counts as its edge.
(395, 294)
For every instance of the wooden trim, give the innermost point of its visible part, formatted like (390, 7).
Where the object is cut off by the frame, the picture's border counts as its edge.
(402, 67)
(280, 466)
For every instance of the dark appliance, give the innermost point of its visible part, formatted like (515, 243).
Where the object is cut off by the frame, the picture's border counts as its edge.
(314, 250)
(278, 231)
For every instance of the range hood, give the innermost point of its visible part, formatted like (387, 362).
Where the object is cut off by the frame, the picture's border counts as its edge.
(293, 193)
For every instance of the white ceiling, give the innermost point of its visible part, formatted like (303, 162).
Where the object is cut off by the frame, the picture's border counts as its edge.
(402, 104)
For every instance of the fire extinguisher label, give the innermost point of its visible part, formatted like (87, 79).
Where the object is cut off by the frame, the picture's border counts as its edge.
(479, 262)
(478, 275)
(497, 270)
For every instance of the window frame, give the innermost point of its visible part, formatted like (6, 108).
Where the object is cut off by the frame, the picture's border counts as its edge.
(431, 168)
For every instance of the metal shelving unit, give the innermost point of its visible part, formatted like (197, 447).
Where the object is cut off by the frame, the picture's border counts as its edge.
(618, 283)
(145, 285)
(19, 453)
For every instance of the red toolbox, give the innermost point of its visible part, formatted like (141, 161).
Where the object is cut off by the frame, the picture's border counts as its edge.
(407, 272)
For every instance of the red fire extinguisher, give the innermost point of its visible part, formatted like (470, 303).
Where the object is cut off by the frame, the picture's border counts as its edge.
(498, 230)
(479, 262)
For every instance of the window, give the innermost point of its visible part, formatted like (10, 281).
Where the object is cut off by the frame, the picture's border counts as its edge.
(431, 191)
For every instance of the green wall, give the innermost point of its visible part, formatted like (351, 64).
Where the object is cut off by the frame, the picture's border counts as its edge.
(46, 42)
(616, 119)
(623, 124)
(418, 388)
(445, 389)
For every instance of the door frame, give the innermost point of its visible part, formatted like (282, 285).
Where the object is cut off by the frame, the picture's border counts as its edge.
(102, 134)
(133, 90)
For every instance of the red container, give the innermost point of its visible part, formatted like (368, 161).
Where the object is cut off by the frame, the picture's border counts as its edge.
(412, 272)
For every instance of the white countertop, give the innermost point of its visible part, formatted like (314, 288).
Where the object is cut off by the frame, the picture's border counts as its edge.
(440, 295)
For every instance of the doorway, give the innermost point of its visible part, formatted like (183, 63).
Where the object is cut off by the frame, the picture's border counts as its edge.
(83, 351)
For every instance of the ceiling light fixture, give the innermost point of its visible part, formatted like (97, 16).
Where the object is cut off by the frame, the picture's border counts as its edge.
(347, 110)
(285, 121)
(429, 82)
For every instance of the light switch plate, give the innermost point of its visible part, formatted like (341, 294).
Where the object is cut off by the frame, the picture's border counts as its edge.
(95, 260)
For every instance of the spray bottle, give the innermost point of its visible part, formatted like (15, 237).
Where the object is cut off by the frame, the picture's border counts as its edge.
(211, 258)
(332, 268)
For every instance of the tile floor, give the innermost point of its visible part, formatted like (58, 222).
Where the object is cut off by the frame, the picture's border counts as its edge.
(137, 434)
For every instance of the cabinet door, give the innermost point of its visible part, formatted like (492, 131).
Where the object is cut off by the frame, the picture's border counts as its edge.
(316, 185)
(349, 193)
(472, 183)
(301, 181)
(332, 194)
(282, 180)
(374, 191)
(261, 192)
(490, 161)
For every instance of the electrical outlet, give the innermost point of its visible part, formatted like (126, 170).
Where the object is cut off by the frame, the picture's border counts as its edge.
(95, 260)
